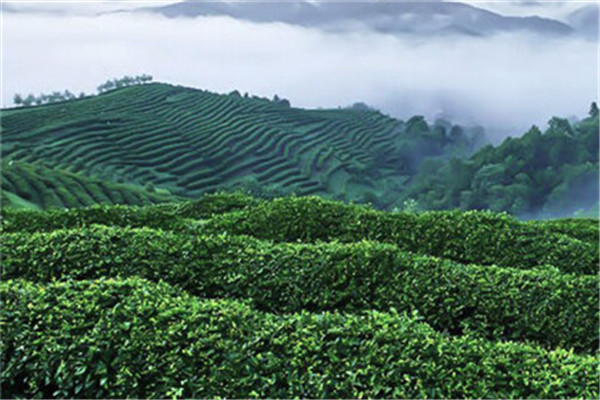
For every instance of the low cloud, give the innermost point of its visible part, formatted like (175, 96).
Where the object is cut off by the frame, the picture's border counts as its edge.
(506, 82)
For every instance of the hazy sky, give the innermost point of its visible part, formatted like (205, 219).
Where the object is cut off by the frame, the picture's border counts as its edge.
(507, 81)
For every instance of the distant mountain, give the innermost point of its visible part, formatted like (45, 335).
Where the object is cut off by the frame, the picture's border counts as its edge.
(585, 20)
(148, 143)
(389, 17)
(7, 8)
(41, 7)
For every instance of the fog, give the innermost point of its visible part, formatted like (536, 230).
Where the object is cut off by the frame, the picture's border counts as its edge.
(505, 82)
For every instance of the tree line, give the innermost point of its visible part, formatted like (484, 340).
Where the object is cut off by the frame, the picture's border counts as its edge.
(44, 98)
(55, 97)
(112, 84)
(541, 174)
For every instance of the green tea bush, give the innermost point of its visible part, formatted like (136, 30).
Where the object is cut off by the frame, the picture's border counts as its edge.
(133, 338)
(540, 305)
(31, 221)
(584, 229)
(209, 205)
(467, 237)
(161, 216)
(39, 185)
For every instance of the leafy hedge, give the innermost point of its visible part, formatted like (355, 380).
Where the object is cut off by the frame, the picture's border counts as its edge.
(133, 338)
(584, 229)
(172, 216)
(467, 237)
(541, 305)
(211, 204)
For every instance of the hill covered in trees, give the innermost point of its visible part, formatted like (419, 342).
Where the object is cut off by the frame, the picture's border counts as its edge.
(540, 174)
(151, 295)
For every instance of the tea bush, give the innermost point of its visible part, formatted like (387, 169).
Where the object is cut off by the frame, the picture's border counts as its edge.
(173, 216)
(584, 229)
(467, 237)
(133, 338)
(540, 305)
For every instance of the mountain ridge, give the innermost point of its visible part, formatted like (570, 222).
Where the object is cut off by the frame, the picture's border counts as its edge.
(394, 18)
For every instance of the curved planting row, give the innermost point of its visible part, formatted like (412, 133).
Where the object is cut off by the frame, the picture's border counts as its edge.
(473, 237)
(467, 237)
(167, 216)
(539, 305)
(50, 188)
(135, 338)
(586, 230)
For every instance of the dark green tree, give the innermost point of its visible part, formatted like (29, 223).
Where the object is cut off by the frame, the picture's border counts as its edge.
(593, 110)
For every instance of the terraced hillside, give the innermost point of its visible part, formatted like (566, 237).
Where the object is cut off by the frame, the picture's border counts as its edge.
(236, 297)
(191, 141)
(26, 185)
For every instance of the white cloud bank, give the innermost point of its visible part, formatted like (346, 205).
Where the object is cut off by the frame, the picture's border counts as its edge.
(507, 82)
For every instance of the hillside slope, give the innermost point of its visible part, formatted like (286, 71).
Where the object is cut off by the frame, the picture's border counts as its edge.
(191, 141)
(27, 185)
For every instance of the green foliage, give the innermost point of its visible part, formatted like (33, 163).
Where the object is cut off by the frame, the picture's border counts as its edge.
(123, 82)
(49, 188)
(540, 305)
(192, 142)
(168, 216)
(510, 311)
(538, 175)
(593, 110)
(254, 188)
(43, 98)
(584, 229)
(467, 237)
(132, 338)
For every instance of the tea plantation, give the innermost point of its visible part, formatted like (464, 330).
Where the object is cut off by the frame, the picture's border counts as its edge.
(238, 297)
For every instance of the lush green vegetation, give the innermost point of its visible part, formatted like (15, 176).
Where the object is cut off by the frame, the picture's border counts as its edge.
(537, 175)
(296, 297)
(115, 286)
(478, 237)
(98, 339)
(191, 142)
(471, 237)
(44, 98)
(554, 309)
(58, 96)
(585, 229)
(26, 185)
(115, 83)
(169, 216)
